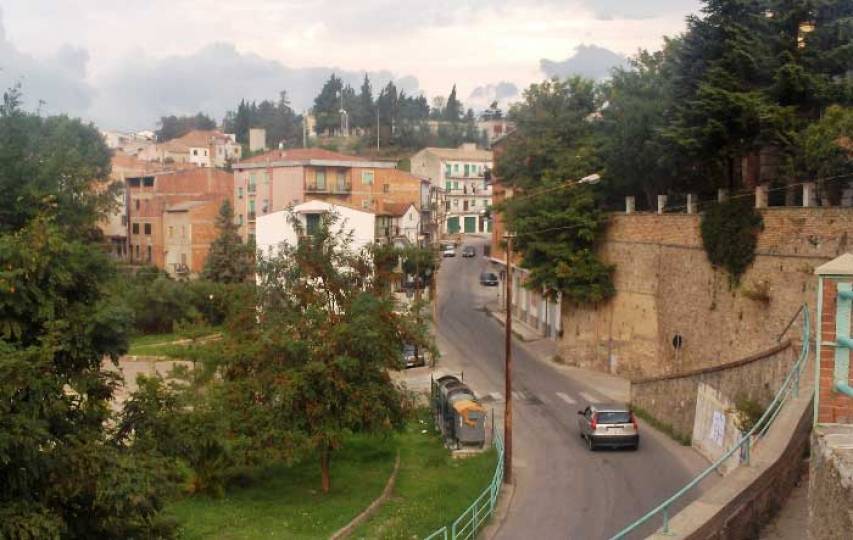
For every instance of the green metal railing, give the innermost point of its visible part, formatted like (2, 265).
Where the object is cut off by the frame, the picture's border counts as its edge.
(791, 386)
(472, 519)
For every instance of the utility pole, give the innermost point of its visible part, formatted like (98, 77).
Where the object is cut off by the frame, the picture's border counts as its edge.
(377, 128)
(508, 365)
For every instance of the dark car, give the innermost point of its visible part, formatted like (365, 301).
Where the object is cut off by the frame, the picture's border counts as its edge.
(469, 251)
(411, 359)
(489, 279)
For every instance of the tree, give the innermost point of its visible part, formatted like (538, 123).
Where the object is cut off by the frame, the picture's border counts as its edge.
(557, 227)
(172, 127)
(828, 151)
(62, 475)
(282, 124)
(229, 259)
(325, 336)
(327, 106)
(453, 107)
(364, 112)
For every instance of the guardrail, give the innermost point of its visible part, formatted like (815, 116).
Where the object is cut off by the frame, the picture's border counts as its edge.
(791, 386)
(472, 519)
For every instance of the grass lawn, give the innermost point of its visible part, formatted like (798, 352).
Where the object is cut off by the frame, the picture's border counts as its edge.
(140, 344)
(286, 501)
(162, 344)
(432, 488)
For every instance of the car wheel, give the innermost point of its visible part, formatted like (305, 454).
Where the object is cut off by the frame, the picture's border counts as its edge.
(590, 444)
(636, 446)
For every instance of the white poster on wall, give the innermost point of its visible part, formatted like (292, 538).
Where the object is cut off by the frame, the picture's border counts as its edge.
(718, 428)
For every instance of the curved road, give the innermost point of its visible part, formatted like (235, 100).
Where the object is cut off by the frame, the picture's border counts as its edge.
(562, 491)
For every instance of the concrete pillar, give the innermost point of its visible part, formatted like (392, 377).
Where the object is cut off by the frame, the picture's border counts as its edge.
(691, 203)
(761, 196)
(661, 203)
(809, 195)
(630, 204)
(722, 195)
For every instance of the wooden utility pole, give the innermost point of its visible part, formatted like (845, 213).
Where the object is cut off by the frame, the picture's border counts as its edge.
(508, 366)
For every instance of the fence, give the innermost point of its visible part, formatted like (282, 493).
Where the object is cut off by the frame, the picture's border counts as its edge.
(791, 386)
(472, 519)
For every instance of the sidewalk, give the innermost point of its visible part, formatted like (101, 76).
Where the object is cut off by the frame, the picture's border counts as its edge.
(546, 349)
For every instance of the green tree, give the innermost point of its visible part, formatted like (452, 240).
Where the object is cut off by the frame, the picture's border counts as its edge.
(172, 127)
(327, 105)
(828, 151)
(556, 227)
(364, 112)
(453, 108)
(325, 336)
(229, 259)
(62, 474)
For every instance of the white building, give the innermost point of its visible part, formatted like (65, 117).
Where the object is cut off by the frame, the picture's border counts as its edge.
(461, 172)
(399, 223)
(275, 228)
(211, 148)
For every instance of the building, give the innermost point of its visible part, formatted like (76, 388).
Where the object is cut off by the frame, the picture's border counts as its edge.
(257, 140)
(211, 148)
(129, 143)
(532, 307)
(493, 129)
(276, 228)
(399, 223)
(462, 173)
(188, 230)
(279, 179)
(154, 202)
(166, 153)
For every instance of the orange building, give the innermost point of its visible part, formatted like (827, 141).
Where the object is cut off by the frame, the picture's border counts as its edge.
(277, 179)
(157, 198)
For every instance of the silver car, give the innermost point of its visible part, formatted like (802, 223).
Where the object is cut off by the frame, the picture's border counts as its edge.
(609, 424)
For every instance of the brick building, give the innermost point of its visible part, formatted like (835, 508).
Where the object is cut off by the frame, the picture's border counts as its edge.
(161, 200)
(277, 179)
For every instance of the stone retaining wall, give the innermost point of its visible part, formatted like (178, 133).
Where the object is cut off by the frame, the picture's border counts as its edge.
(831, 483)
(671, 399)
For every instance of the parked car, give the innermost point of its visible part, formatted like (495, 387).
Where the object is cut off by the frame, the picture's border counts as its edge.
(448, 251)
(469, 251)
(609, 424)
(489, 279)
(410, 359)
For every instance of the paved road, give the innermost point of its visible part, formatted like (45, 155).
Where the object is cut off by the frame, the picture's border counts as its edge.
(562, 491)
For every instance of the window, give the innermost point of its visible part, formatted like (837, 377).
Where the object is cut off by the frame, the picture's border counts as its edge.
(251, 209)
(135, 228)
(342, 180)
(473, 202)
(312, 223)
(239, 193)
(455, 185)
(367, 178)
(386, 188)
(320, 179)
(148, 255)
(265, 207)
(447, 169)
(364, 203)
(136, 201)
(148, 181)
(195, 151)
(447, 205)
(171, 231)
(455, 167)
(411, 216)
(124, 221)
(455, 203)
(447, 185)
(467, 169)
(252, 183)
(148, 229)
(240, 219)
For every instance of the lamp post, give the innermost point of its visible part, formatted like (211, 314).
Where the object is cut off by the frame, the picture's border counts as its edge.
(590, 179)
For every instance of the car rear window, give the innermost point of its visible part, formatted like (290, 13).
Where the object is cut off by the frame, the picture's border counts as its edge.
(489, 276)
(610, 417)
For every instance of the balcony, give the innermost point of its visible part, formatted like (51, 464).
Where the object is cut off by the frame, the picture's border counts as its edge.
(342, 187)
(315, 188)
(251, 216)
(251, 188)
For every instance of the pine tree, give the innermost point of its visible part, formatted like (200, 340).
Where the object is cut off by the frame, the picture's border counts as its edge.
(229, 259)
(327, 105)
(364, 114)
(453, 108)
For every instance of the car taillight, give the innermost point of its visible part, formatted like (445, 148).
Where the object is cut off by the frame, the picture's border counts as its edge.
(634, 421)
(593, 423)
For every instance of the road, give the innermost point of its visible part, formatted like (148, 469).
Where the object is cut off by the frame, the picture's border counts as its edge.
(562, 490)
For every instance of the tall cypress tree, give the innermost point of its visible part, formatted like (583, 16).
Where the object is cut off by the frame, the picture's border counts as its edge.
(229, 259)
(453, 108)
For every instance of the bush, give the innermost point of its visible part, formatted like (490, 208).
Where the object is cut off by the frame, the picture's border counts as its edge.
(730, 234)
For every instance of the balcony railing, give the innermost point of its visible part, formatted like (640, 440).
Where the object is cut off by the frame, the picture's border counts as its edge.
(251, 188)
(314, 188)
(345, 187)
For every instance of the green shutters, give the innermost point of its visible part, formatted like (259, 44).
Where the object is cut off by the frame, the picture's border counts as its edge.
(453, 225)
(470, 224)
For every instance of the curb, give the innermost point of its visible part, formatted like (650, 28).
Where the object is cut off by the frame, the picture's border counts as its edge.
(505, 498)
(374, 507)
(495, 316)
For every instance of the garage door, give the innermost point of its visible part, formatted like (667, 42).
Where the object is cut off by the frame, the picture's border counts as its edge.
(453, 225)
(471, 224)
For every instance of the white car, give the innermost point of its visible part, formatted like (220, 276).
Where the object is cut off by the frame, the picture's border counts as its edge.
(448, 251)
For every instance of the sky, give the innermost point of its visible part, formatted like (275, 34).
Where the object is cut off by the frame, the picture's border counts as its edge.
(124, 64)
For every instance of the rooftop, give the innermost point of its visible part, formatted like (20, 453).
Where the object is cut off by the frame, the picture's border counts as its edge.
(200, 137)
(467, 151)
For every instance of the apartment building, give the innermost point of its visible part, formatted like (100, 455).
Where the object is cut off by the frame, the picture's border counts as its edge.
(211, 148)
(399, 223)
(279, 179)
(158, 235)
(462, 174)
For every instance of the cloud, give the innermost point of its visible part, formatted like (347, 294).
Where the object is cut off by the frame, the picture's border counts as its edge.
(483, 96)
(213, 80)
(589, 61)
(55, 84)
(634, 9)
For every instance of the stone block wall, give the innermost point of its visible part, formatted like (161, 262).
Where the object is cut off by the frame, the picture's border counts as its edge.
(666, 288)
(671, 399)
(831, 483)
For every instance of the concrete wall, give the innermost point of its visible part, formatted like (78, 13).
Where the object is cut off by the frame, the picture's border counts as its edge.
(831, 483)
(666, 287)
(671, 399)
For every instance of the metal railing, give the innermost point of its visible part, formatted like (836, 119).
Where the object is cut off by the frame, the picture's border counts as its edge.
(791, 386)
(472, 519)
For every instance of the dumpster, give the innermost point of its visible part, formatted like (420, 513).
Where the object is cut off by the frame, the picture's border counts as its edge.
(470, 422)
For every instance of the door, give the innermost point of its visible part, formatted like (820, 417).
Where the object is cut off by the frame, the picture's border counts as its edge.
(470, 224)
(453, 225)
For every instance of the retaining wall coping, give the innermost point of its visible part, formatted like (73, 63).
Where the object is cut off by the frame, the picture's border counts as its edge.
(786, 344)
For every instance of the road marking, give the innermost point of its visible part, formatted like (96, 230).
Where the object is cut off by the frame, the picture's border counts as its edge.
(497, 396)
(586, 397)
(566, 398)
(518, 395)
